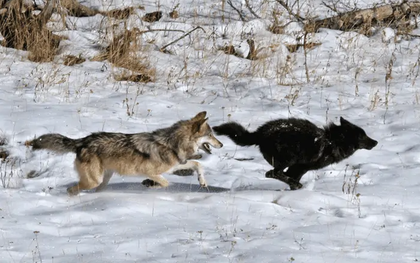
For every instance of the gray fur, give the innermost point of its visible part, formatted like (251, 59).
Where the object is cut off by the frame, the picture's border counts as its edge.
(146, 153)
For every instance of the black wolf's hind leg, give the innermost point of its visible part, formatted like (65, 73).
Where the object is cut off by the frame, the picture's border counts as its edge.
(279, 175)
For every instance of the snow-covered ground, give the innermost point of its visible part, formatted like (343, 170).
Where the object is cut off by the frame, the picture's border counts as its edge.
(242, 216)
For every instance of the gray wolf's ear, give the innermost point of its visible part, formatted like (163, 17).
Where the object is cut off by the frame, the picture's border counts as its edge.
(198, 124)
(199, 116)
(344, 121)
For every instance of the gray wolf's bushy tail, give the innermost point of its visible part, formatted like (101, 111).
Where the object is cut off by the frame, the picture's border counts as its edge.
(54, 142)
(237, 133)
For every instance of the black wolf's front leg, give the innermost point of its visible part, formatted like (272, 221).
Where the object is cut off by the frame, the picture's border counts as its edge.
(296, 171)
(279, 175)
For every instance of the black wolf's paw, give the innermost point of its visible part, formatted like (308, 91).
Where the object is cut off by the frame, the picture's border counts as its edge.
(184, 172)
(270, 174)
(295, 185)
(150, 183)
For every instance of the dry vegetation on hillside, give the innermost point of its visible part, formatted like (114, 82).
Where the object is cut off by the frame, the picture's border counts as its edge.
(24, 27)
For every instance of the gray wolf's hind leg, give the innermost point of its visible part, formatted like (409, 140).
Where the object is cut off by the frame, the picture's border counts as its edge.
(155, 181)
(279, 175)
(90, 176)
(107, 176)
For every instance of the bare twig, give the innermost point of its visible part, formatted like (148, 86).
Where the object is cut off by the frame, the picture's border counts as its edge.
(305, 51)
(250, 9)
(252, 55)
(332, 7)
(237, 11)
(46, 13)
(159, 30)
(181, 37)
(290, 11)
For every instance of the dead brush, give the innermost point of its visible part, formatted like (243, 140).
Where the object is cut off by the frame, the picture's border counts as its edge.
(10, 172)
(349, 187)
(3, 152)
(25, 31)
(125, 52)
(71, 60)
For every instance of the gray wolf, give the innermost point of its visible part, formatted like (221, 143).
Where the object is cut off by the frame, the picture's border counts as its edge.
(299, 145)
(101, 154)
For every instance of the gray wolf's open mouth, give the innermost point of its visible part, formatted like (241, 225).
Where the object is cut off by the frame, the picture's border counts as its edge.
(206, 147)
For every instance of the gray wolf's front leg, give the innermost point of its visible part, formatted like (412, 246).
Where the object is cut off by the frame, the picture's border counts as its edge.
(196, 166)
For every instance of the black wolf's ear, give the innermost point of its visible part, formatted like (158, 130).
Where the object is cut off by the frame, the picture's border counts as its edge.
(198, 124)
(199, 116)
(344, 121)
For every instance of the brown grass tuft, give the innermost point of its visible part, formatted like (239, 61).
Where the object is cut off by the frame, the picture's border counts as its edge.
(152, 17)
(295, 47)
(125, 52)
(229, 50)
(71, 60)
(3, 141)
(3, 154)
(134, 77)
(120, 14)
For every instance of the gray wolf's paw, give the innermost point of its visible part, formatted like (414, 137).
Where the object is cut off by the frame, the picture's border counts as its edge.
(202, 181)
(74, 190)
(151, 184)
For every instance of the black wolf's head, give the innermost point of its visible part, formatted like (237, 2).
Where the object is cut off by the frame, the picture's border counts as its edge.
(356, 136)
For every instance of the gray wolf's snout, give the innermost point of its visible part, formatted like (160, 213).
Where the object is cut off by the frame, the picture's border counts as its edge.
(220, 145)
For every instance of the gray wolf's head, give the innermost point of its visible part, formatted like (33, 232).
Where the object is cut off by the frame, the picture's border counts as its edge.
(203, 134)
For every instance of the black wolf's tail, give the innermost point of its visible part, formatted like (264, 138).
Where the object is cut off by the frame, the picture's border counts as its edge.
(54, 142)
(237, 133)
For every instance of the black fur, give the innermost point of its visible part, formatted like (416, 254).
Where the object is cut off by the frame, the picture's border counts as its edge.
(299, 145)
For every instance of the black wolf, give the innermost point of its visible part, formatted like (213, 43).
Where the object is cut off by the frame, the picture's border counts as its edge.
(299, 145)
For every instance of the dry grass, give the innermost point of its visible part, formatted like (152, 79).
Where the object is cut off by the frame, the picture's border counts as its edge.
(120, 13)
(22, 30)
(3, 152)
(152, 17)
(133, 77)
(71, 60)
(42, 46)
(125, 52)
(295, 47)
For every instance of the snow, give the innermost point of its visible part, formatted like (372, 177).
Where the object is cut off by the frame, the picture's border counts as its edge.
(363, 209)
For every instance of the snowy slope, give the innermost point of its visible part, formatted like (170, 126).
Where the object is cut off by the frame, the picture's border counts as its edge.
(242, 216)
